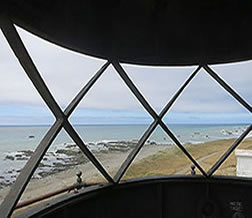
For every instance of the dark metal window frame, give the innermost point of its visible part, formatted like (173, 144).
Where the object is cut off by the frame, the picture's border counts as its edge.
(17, 46)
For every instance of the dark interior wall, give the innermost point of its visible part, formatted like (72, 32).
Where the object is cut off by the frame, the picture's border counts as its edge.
(151, 32)
(160, 199)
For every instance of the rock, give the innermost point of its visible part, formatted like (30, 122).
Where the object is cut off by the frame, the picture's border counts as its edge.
(18, 155)
(50, 154)
(131, 144)
(41, 164)
(68, 152)
(22, 158)
(46, 165)
(27, 153)
(2, 184)
(103, 143)
(36, 177)
(44, 173)
(57, 164)
(10, 157)
(71, 146)
(122, 149)
(91, 143)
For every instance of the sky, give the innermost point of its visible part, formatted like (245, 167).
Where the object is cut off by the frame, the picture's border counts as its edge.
(110, 101)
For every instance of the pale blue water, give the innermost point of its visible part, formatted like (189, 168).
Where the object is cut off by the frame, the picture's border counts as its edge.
(17, 138)
(13, 139)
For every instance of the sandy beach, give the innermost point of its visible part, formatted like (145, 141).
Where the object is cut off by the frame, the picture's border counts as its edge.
(111, 162)
(152, 160)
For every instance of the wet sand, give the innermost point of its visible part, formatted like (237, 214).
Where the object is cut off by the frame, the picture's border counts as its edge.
(152, 160)
(111, 162)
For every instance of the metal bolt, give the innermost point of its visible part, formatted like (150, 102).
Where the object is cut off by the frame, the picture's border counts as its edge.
(79, 183)
(193, 170)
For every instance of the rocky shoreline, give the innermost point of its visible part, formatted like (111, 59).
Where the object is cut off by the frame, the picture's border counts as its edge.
(64, 157)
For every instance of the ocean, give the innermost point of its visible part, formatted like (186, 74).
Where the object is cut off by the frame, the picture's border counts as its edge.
(16, 140)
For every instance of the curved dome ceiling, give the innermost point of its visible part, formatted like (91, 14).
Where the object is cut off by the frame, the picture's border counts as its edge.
(152, 32)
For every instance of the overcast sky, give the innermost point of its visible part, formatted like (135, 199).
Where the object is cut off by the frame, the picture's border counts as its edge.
(110, 101)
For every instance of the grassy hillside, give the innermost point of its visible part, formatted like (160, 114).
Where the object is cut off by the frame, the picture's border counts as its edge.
(173, 161)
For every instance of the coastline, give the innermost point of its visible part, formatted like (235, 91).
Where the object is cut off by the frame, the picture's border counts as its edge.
(110, 160)
(172, 161)
(153, 159)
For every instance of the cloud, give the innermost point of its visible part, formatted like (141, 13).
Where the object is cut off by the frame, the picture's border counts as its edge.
(66, 72)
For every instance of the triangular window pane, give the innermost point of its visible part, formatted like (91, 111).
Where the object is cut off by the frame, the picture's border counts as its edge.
(24, 118)
(110, 120)
(58, 169)
(208, 118)
(238, 76)
(158, 84)
(64, 71)
(159, 157)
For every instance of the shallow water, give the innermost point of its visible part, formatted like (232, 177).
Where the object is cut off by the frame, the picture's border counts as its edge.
(98, 138)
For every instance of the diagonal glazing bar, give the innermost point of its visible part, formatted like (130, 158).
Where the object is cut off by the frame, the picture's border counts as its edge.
(73, 134)
(70, 130)
(17, 46)
(134, 89)
(170, 134)
(24, 177)
(151, 128)
(134, 152)
(70, 108)
(178, 93)
(26, 62)
(229, 151)
(21, 53)
(31, 165)
(146, 105)
(228, 88)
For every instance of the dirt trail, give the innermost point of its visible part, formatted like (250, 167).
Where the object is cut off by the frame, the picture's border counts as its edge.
(186, 168)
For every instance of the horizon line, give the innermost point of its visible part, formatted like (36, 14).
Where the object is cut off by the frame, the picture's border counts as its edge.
(119, 124)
